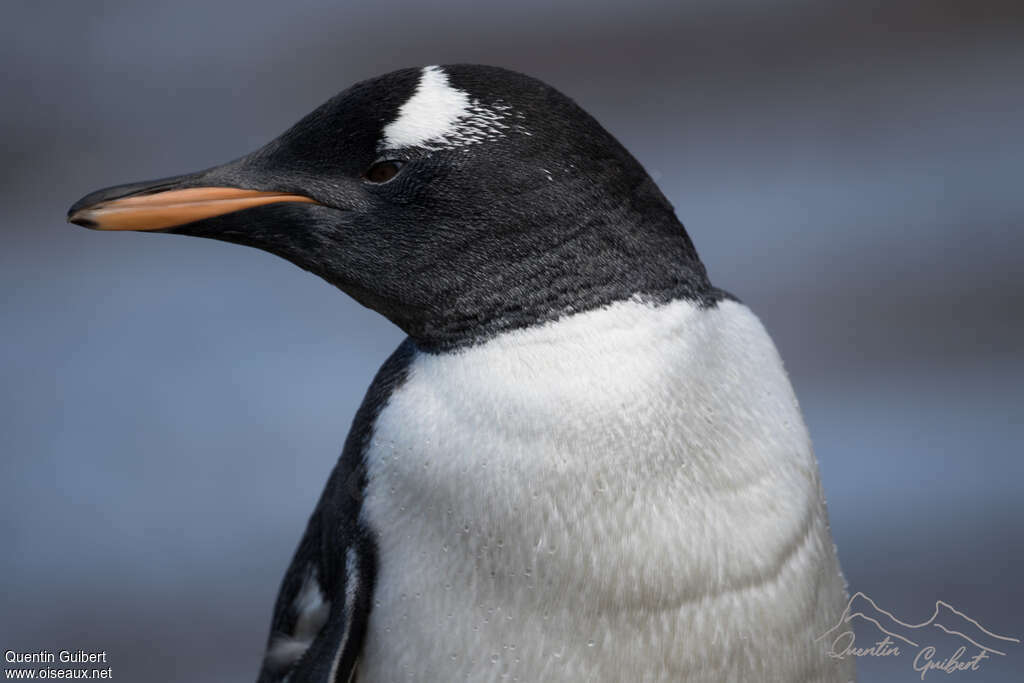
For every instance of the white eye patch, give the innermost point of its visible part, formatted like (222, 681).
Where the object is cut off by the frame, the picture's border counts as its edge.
(439, 116)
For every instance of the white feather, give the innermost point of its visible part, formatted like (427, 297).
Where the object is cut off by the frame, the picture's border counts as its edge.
(625, 494)
(312, 611)
(439, 116)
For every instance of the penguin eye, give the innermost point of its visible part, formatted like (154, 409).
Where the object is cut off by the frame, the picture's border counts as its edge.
(383, 171)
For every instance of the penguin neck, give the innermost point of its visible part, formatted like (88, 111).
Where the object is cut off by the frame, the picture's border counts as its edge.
(575, 273)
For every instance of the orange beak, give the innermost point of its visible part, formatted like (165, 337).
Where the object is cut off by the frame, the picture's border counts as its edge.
(171, 208)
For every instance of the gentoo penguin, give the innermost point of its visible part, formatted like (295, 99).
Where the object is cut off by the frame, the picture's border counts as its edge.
(585, 462)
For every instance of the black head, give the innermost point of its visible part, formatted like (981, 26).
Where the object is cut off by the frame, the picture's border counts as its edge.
(458, 201)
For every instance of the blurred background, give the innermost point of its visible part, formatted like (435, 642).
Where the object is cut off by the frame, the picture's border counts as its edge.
(170, 407)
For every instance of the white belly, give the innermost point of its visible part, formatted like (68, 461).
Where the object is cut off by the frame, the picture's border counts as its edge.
(625, 494)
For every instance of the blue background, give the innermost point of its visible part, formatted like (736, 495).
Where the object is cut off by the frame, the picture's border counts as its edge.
(170, 407)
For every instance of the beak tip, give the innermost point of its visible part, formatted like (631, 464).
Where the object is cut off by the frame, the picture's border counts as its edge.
(82, 218)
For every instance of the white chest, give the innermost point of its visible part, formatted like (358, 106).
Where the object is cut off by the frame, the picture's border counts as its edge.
(625, 494)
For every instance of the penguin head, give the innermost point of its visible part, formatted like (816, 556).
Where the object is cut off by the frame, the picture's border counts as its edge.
(459, 201)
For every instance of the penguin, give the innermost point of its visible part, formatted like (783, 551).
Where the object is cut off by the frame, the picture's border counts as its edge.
(584, 463)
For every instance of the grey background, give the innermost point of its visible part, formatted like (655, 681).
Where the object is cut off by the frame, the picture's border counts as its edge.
(170, 407)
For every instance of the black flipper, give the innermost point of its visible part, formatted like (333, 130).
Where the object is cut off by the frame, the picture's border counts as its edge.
(324, 602)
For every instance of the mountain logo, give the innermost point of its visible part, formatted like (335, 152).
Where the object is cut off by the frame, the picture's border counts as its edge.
(946, 630)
